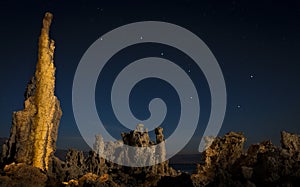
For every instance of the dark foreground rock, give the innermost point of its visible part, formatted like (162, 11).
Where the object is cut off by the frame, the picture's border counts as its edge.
(23, 175)
(263, 164)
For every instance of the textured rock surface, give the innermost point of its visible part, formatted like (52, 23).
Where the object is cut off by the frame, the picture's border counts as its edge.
(136, 138)
(263, 164)
(92, 170)
(78, 170)
(290, 142)
(91, 179)
(23, 175)
(221, 154)
(225, 163)
(34, 129)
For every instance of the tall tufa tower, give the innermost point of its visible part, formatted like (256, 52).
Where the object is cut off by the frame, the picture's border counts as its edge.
(34, 129)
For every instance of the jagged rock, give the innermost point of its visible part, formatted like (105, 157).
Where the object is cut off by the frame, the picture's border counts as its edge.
(88, 179)
(161, 151)
(262, 164)
(75, 165)
(267, 168)
(247, 160)
(57, 172)
(223, 152)
(91, 179)
(138, 137)
(279, 165)
(220, 155)
(145, 155)
(95, 164)
(34, 129)
(159, 135)
(291, 143)
(139, 176)
(23, 175)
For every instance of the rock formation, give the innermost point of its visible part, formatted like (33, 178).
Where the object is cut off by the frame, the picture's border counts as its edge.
(28, 160)
(222, 153)
(34, 129)
(224, 163)
(149, 153)
(137, 138)
(263, 164)
(22, 175)
(92, 169)
(161, 150)
(140, 138)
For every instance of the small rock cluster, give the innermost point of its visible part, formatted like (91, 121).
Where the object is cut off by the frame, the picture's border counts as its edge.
(150, 153)
(76, 166)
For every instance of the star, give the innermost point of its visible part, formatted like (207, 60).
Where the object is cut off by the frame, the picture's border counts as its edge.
(141, 37)
(251, 76)
(189, 70)
(238, 106)
(162, 54)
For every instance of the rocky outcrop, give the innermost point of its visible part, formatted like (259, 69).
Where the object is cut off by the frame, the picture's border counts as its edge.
(149, 153)
(23, 175)
(91, 179)
(138, 137)
(140, 175)
(225, 163)
(221, 154)
(78, 170)
(34, 129)
(263, 164)
(290, 143)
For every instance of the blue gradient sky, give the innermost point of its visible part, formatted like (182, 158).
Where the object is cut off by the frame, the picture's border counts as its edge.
(256, 43)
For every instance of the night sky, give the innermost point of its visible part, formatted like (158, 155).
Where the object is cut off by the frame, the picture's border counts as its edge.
(256, 43)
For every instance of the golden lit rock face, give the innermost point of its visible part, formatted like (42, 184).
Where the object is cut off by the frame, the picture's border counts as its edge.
(34, 129)
(44, 97)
